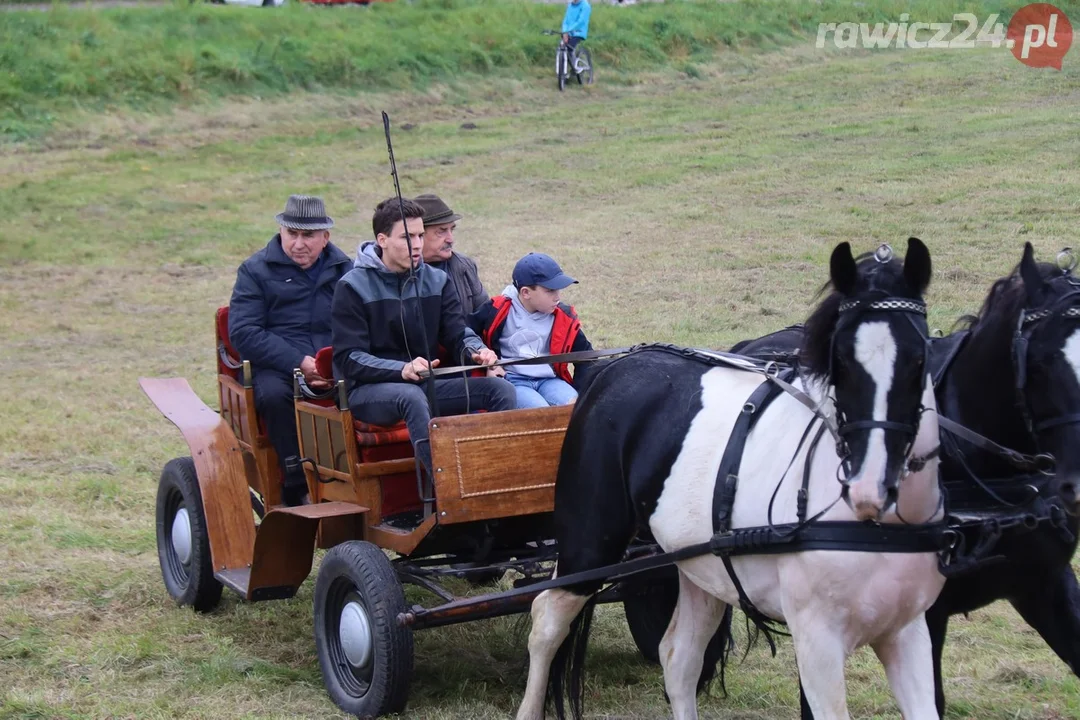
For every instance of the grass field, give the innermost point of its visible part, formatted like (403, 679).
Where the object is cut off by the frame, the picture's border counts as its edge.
(68, 60)
(694, 209)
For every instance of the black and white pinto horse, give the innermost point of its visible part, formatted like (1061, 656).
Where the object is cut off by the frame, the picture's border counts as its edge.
(641, 457)
(1013, 376)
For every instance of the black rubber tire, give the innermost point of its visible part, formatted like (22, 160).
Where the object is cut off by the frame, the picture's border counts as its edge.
(192, 583)
(560, 69)
(357, 571)
(586, 76)
(649, 605)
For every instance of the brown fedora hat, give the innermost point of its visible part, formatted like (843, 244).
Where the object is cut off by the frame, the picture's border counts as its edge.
(436, 212)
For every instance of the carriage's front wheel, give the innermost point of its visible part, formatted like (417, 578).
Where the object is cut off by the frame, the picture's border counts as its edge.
(365, 655)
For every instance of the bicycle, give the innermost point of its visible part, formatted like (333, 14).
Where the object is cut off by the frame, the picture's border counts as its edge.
(578, 60)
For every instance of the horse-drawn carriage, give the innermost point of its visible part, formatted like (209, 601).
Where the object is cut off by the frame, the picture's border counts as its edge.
(491, 503)
(220, 521)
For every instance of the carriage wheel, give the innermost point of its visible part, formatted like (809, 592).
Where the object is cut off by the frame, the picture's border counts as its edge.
(649, 605)
(182, 539)
(365, 655)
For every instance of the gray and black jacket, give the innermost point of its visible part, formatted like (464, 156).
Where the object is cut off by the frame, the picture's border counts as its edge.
(376, 319)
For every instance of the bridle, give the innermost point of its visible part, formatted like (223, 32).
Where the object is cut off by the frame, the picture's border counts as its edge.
(1025, 326)
(851, 312)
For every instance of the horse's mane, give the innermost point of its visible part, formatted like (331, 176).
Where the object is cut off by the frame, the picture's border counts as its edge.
(875, 279)
(1007, 298)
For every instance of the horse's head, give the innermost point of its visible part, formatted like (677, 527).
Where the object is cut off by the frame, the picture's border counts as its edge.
(1046, 363)
(868, 340)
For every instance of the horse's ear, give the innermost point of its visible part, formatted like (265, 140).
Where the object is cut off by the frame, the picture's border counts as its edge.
(842, 269)
(1029, 273)
(917, 267)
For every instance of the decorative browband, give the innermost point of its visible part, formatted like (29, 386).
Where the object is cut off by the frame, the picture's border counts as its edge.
(899, 304)
(1073, 312)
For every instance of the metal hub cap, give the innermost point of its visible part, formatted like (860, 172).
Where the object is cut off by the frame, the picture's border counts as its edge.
(181, 536)
(355, 634)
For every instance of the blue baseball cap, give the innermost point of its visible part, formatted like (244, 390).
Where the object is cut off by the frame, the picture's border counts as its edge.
(540, 269)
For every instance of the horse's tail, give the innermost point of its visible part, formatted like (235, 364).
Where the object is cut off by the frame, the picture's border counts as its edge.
(568, 665)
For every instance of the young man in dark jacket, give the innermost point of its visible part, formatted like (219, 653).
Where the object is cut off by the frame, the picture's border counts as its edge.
(383, 312)
(279, 317)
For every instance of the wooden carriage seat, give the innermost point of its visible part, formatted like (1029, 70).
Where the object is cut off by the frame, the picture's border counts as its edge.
(375, 443)
(228, 360)
(237, 403)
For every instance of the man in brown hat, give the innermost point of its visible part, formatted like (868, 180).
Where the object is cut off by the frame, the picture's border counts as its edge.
(279, 317)
(439, 225)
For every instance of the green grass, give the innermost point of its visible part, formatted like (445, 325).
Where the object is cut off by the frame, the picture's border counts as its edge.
(694, 210)
(67, 60)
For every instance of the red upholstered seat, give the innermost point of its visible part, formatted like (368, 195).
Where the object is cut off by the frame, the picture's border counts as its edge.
(367, 435)
(224, 344)
(324, 362)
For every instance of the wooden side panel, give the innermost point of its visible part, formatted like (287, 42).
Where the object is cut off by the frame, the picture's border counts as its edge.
(286, 544)
(238, 411)
(492, 465)
(219, 462)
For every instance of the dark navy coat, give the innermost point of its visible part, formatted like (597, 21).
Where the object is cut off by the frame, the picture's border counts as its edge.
(278, 314)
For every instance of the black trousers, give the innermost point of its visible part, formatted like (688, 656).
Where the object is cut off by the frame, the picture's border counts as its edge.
(274, 402)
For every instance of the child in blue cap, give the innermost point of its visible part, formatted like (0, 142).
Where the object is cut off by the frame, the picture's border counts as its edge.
(529, 320)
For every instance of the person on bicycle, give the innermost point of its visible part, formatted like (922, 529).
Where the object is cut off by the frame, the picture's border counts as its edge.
(575, 24)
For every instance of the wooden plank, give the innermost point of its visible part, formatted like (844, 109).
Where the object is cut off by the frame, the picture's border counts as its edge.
(493, 465)
(385, 467)
(285, 546)
(219, 463)
(400, 541)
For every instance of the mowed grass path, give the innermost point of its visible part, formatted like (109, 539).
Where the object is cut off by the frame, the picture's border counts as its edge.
(696, 211)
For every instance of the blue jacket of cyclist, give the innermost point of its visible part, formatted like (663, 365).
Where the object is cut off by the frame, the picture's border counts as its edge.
(575, 24)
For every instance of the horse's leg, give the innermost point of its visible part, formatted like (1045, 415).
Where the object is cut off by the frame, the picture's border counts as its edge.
(682, 649)
(820, 654)
(937, 623)
(1053, 609)
(904, 656)
(552, 613)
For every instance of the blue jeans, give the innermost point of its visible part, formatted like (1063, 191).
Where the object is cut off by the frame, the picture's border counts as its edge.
(541, 392)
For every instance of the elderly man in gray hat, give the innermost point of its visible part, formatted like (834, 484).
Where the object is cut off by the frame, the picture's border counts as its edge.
(279, 317)
(439, 225)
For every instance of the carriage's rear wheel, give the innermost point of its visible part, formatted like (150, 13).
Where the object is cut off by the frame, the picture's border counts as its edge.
(182, 539)
(649, 604)
(365, 656)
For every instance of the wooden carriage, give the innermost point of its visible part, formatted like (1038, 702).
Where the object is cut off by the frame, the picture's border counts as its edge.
(220, 521)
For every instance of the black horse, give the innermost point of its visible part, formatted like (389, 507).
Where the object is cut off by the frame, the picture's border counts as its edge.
(1013, 376)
